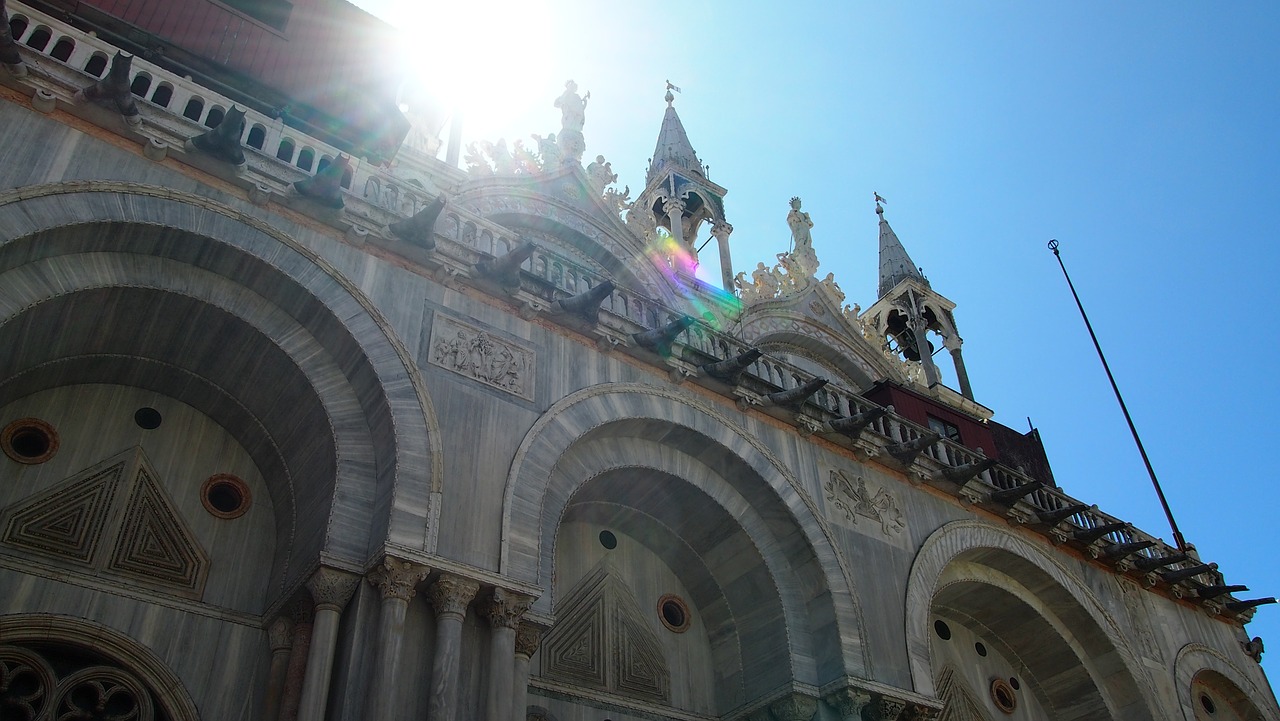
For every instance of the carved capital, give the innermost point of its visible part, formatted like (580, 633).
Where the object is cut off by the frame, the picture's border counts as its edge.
(528, 636)
(397, 578)
(721, 231)
(849, 702)
(450, 595)
(887, 709)
(505, 608)
(331, 588)
(794, 708)
(672, 206)
(279, 634)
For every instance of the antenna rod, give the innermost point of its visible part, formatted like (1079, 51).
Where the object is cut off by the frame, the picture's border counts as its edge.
(1177, 535)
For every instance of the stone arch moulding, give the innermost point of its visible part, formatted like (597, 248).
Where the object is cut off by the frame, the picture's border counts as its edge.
(533, 506)
(129, 653)
(952, 540)
(1194, 658)
(771, 325)
(407, 456)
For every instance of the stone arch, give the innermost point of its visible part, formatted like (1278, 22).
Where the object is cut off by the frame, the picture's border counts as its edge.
(859, 363)
(602, 431)
(1013, 571)
(1196, 660)
(121, 649)
(143, 242)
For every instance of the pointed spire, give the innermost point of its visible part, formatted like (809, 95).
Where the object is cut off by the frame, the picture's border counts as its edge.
(673, 150)
(895, 264)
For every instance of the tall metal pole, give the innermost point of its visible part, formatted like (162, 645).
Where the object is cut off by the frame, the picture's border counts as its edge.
(1177, 535)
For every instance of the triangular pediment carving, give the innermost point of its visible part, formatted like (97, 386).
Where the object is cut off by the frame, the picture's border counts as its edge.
(154, 544)
(960, 704)
(115, 518)
(68, 520)
(601, 641)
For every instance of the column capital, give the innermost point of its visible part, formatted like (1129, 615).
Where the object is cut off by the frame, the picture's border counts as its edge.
(398, 579)
(795, 707)
(672, 206)
(301, 611)
(279, 634)
(953, 343)
(888, 708)
(504, 608)
(528, 636)
(450, 595)
(331, 588)
(848, 702)
(721, 230)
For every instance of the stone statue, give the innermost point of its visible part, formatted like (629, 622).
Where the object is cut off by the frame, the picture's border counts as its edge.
(573, 107)
(800, 225)
(548, 152)
(1253, 648)
(503, 162)
(618, 201)
(600, 174)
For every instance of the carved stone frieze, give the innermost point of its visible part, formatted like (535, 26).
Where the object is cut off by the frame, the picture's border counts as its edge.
(482, 356)
(450, 595)
(398, 579)
(331, 588)
(851, 498)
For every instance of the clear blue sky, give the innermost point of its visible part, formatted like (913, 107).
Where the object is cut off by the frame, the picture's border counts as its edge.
(1142, 135)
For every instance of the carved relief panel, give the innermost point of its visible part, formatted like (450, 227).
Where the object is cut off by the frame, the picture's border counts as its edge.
(481, 356)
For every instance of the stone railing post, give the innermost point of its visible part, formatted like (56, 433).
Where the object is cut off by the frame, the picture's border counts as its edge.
(330, 590)
(397, 580)
(450, 595)
(504, 610)
(528, 636)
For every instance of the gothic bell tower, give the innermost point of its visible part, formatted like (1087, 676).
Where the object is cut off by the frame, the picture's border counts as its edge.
(909, 308)
(678, 195)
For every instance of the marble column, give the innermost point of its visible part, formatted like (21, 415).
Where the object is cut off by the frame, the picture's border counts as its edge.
(278, 638)
(721, 231)
(673, 208)
(397, 580)
(527, 638)
(450, 595)
(330, 591)
(962, 375)
(503, 610)
(301, 613)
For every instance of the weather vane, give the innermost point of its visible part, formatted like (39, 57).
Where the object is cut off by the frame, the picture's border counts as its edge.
(879, 199)
(672, 87)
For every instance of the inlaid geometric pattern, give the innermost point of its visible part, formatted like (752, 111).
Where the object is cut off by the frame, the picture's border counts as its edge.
(118, 499)
(602, 641)
(153, 543)
(68, 519)
(961, 705)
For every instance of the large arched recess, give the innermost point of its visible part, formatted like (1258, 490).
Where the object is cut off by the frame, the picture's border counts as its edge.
(584, 448)
(124, 283)
(1043, 615)
(1199, 666)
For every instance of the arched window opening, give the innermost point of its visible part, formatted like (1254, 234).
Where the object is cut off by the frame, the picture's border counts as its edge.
(39, 39)
(257, 137)
(325, 161)
(17, 26)
(63, 48)
(141, 84)
(306, 159)
(216, 114)
(285, 151)
(97, 65)
(163, 95)
(194, 109)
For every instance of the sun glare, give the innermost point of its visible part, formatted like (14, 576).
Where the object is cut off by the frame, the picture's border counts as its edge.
(488, 59)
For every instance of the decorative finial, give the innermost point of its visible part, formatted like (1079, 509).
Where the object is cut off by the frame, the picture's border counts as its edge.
(669, 97)
(879, 200)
